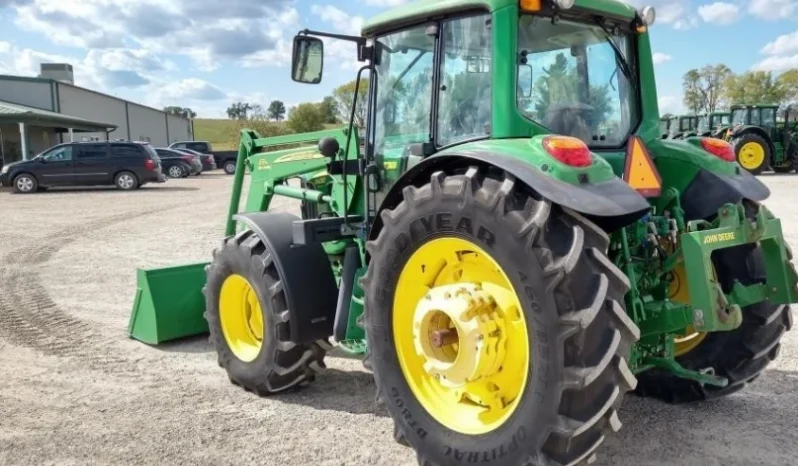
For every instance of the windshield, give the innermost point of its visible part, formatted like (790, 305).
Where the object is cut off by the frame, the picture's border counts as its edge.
(738, 116)
(578, 84)
(685, 124)
(703, 123)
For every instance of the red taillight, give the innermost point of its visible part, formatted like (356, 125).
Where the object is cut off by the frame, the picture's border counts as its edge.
(568, 150)
(719, 148)
(149, 164)
(187, 158)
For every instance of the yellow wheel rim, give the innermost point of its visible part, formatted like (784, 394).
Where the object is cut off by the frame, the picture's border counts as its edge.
(679, 292)
(461, 336)
(241, 317)
(752, 155)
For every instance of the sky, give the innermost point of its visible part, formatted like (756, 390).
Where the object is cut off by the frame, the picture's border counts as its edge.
(206, 54)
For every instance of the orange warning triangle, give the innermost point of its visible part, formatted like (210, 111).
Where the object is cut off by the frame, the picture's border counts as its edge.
(640, 172)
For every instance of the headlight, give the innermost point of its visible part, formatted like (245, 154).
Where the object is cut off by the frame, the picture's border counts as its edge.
(649, 15)
(4, 170)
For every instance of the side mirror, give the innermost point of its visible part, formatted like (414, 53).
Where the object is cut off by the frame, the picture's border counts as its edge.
(307, 60)
(525, 80)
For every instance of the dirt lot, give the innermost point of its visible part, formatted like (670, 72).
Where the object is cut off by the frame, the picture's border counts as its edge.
(75, 390)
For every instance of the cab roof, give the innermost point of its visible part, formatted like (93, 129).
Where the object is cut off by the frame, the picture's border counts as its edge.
(427, 9)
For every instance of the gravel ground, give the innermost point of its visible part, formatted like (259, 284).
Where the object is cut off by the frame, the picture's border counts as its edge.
(75, 390)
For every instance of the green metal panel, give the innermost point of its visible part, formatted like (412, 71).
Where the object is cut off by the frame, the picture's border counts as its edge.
(425, 9)
(169, 303)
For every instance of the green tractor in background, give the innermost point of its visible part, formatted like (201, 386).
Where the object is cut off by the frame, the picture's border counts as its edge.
(510, 254)
(681, 126)
(760, 141)
(711, 124)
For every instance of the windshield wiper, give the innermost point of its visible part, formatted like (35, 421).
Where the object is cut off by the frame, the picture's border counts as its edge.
(620, 59)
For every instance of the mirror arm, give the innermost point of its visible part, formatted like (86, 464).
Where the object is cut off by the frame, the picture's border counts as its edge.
(359, 40)
(363, 52)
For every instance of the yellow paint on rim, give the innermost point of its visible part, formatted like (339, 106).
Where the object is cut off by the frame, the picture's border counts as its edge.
(472, 383)
(679, 292)
(752, 155)
(241, 317)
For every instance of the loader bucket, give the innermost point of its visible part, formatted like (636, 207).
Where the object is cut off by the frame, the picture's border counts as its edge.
(169, 304)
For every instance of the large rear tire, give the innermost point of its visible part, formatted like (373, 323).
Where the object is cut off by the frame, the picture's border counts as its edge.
(248, 320)
(571, 302)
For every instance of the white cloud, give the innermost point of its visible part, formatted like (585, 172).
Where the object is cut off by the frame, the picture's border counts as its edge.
(676, 13)
(340, 20)
(774, 10)
(341, 51)
(136, 75)
(777, 63)
(661, 58)
(784, 44)
(719, 13)
(783, 54)
(669, 104)
(211, 32)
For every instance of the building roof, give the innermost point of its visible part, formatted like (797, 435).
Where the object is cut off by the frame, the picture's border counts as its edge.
(15, 113)
(11, 77)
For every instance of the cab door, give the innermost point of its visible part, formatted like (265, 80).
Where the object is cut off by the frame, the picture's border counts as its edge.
(91, 164)
(56, 166)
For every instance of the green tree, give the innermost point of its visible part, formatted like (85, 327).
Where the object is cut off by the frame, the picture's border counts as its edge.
(329, 109)
(788, 82)
(276, 110)
(181, 111)
(691, 86)
(343, 96)
(257, 113)
(238, 110)
(754, 87)
(306, 117)
(704, 88)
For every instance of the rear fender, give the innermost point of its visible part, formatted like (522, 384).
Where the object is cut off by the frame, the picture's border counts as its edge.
(610, 204)
(715, 183)
(305, 273)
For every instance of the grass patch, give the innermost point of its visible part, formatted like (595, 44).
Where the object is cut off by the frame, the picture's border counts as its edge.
(223, 133)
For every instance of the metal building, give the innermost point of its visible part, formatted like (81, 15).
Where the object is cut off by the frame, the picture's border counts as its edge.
(37, 113)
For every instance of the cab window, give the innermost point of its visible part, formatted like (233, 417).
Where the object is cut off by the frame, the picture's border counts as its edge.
(60, 154)
(464, 109)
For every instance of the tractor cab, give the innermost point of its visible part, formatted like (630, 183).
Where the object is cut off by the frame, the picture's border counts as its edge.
(760, 140)
(709, 124)
(682, 125)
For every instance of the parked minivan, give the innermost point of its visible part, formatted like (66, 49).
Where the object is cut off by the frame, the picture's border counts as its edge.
(126, 164)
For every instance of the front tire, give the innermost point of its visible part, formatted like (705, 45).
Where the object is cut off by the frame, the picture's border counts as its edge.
(571, 300)
(25, 184)
(242, 281)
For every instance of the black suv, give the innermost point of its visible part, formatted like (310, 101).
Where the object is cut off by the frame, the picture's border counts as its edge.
(128, 165)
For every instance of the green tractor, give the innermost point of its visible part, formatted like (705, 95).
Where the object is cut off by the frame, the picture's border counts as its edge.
(760, 141)
(711, 125)
(681, 126)
(510, 253)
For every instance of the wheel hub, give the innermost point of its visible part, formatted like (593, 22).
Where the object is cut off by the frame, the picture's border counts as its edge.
(459, 332)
